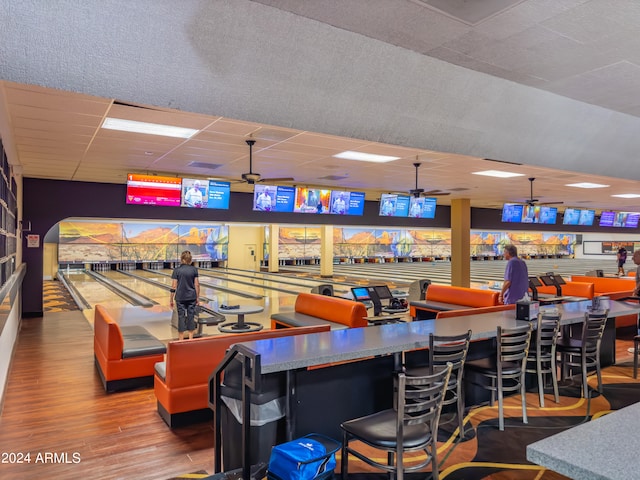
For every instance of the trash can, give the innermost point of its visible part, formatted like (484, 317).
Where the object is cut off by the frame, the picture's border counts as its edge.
(267, 422)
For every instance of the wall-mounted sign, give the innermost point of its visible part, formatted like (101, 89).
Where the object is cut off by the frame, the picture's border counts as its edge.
(33, 241)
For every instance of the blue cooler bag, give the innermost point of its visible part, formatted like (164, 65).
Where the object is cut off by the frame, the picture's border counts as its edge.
(306, 458)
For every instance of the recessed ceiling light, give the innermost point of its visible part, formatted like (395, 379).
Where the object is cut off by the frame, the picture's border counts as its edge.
(627, 195)
(365, 157)
(586, 185)
(148, 128)
(498, 173)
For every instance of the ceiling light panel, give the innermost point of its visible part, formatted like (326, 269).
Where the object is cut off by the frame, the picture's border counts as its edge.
(498, 174)
(365, 157)
(586, 185)
(148, 128)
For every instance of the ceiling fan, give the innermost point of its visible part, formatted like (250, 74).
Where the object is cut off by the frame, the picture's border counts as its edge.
(417, 192)
(534, 201)
(252, 177)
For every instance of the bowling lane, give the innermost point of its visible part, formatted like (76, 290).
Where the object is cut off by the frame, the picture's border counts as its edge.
(272, 301)
(95, 293)
(288, 283)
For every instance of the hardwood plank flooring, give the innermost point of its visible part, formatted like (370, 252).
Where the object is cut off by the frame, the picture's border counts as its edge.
(55, 403)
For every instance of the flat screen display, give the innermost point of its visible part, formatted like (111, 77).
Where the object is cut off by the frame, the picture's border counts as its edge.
(392, 205)
(547, 280)
(153, 190)
(270, 198)
(587, 217)
(606, 219)
(197, 193)
(512, 212)
(383, 292)
(539, 214)
(360, 294)
(347, 203)
(422, 207)
(571, 216)
(312, 200)
(632, 220)
(535, 281)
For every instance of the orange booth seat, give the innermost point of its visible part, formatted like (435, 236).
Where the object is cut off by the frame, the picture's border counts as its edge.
(181, 382)
(442, 298)
(614, 288)
(571, 289)
(313, 309)
(124, 356)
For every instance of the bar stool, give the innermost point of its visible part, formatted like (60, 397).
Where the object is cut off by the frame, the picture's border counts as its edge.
(584, 352)
(542, 353)
(442, 351)
(508, 364)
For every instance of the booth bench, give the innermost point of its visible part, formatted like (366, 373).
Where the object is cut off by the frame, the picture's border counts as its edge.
(443, 298)
(313, 309)
(615, 289)
(124, 356)
(181, 381)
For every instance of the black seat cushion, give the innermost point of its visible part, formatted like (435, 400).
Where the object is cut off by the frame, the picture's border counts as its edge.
(379, 429)
(489, 366)
(569, 344)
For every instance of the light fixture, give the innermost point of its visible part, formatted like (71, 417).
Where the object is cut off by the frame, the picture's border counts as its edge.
(365, 157)
(148, 128)
(498, 173)
(586, 185)
(627, 195)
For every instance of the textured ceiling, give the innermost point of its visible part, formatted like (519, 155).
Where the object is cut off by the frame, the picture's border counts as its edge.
(551, 87)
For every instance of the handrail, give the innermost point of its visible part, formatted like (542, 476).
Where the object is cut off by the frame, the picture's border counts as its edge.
(10, 288)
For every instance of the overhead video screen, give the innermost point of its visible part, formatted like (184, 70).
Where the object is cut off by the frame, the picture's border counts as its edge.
(153, 190)
(271, 198)
(512, 212)
(347, 203)
(312, 200)
(197, 193)
(587, 217)
(606, 219)
(571, 216)
(422, 207)
(393, 205)
(539, 214)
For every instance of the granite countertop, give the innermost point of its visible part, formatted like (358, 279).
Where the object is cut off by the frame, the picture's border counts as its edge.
(602, 449)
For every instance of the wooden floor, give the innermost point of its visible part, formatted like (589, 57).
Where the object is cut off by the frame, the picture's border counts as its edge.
(55, 404)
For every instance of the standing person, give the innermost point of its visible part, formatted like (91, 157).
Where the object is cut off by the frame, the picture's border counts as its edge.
(185, 290)
(516, 277)
(622, 258)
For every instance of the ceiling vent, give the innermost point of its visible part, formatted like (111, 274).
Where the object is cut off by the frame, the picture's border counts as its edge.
(205, 165)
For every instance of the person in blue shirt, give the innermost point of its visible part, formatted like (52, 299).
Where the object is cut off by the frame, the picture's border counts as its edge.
(516, 277)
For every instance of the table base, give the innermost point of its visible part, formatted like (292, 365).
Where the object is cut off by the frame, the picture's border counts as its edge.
(235, 327)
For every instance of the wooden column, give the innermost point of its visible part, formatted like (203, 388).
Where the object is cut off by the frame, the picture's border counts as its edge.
(274, 259)
(326, 251)
(460, 242)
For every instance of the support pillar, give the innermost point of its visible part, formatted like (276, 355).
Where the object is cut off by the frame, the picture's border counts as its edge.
(461, 242)
(326, 251)
(272, 247)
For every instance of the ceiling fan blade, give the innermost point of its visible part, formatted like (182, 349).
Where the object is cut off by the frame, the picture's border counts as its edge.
(435, 193)
(551, 203)
(276, 180)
